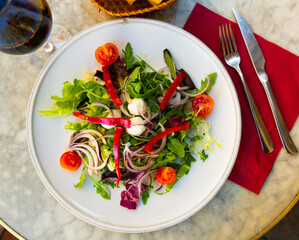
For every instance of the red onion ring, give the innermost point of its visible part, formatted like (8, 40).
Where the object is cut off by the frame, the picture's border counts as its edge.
(89, 131)
(163, 141)
(94, 154)
(194, 95)
(134, 168)
(142, 178)
(161, 70)
(89, 157)
(134, 153)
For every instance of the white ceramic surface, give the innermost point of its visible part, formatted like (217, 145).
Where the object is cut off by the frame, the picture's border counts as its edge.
(47, 136)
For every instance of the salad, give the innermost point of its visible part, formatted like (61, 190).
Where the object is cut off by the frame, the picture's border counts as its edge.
(135, 126)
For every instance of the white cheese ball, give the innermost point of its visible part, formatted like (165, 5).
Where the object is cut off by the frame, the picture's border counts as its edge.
(116, 114)
(137, 126)
(137, 105)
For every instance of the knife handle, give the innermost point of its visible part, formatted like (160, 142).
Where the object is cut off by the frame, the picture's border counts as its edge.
(266, 141)
(285, 137)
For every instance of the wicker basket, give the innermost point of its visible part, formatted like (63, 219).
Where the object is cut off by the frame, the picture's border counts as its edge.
(120, 8)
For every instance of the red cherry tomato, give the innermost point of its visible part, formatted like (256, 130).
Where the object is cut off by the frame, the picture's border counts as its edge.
(166, 175)
(70, 161)
(202, 104)
(107, 54)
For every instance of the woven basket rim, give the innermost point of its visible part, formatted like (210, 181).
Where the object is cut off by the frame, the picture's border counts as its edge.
(163, 5)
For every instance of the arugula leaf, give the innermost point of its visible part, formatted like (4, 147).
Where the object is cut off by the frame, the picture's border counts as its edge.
(145, 195)
(183, 169)
(134, 94)
(151, 104)
(176, 146)
(76, 126)
(111, 184)
(128, 56)
(143, 64)
(164, 158)
(137, 86)
(135, 75)
(183, 134)
(203, 155)
(101, 189)
(172, 113)
(189, 159)
(74, 94)
(82, 179)
(212, 79)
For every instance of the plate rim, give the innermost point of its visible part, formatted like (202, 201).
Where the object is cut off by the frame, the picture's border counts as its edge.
(69, 206)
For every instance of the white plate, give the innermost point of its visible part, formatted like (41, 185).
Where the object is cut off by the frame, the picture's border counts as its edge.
(47, 136)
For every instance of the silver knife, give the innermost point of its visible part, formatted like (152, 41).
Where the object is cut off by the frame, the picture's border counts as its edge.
(258, 61)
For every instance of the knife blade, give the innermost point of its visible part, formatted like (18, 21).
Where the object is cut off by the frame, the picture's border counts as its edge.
(258, 61)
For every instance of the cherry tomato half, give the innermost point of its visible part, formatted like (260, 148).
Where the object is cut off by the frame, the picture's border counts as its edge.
(203, 105)
(107, 54)
(166, 175)
(70, 161)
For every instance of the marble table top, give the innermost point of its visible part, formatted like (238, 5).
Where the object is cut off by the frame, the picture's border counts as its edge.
(235, 213)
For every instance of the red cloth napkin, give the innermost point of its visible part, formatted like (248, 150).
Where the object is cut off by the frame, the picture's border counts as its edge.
(253, 165)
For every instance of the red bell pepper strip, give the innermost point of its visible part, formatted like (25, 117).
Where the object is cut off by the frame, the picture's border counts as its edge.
(110, 88)
(116, 140)
(172, 88)
(148, 147)
(123, 122)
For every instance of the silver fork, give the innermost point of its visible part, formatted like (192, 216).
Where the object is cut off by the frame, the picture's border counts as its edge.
(233, 59)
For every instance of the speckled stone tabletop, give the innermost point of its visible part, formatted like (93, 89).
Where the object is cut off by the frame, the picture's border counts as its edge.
(235, 213)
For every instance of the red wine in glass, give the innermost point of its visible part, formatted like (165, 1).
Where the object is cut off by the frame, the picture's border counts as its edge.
(24, 25)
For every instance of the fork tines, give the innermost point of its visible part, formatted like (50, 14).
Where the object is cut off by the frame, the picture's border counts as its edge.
(227, 39)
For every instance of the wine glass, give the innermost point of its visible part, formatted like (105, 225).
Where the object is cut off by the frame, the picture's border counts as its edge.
(26, 28)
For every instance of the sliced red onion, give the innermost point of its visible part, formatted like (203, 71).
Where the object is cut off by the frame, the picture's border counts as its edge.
(194, 95)
(94, 154)
(149, 131)
(101, 166)
(133, 168)
(83, 160)
(93, 141)
(89, 131)
(142, 178)
(102, 105)
(125, 159)
(158, 187)
(178, 88)
(183, 88)
(163, 141)
(147, 119)
(159, 113)
(89, 157)
(177, 101)
(134, 153)
(137, 124)
(161, 70)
